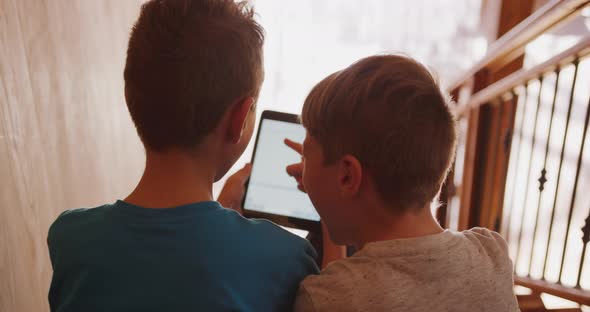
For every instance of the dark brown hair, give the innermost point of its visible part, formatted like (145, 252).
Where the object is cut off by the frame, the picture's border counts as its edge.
(390, 113)
(187, 62)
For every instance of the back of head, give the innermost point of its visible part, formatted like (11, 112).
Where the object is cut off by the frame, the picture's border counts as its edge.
(389, 112)
(187, 62)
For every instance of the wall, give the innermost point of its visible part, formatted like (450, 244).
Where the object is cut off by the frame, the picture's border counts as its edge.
(66, 139)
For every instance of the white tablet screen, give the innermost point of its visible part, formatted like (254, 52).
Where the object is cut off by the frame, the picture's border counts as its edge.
(271, 189)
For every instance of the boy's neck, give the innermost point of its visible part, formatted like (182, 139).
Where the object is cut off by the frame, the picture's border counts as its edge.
(408, 225)
(173, 179)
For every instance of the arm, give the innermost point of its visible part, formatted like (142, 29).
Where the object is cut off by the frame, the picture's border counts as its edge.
(233, 190)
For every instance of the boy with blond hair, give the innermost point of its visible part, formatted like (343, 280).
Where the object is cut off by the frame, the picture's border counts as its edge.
(380, 141)
(193, 73)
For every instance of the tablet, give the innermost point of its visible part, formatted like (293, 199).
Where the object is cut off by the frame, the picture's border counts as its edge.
(270, 192)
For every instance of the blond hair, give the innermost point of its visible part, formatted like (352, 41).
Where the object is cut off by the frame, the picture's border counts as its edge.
(389, 112)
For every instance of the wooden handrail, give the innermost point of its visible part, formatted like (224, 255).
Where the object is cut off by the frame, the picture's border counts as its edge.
(574, 294)
(520, 77)
(508, 46)
(501, 59)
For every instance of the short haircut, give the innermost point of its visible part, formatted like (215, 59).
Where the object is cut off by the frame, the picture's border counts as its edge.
(389, 112)
(187, 62)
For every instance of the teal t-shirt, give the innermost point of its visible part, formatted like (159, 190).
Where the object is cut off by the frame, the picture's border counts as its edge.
(196, 257)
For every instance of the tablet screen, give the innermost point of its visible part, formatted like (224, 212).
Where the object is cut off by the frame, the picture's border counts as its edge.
(271, 189)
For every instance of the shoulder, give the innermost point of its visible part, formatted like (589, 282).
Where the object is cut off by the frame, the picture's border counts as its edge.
(79, 215)
(340, 274)
(286, 245)
(491, 243)
(72, 220)
(270, 241)
(274, 236)
(278, 234)
(487, 238)
(335, 287)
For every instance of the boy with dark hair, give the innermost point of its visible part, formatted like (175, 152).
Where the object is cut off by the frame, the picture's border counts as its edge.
(380, 141)
(192, 77)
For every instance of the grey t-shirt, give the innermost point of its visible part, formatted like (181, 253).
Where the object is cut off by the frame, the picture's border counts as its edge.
(450, 271)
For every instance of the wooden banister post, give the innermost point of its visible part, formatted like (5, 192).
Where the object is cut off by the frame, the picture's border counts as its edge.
(486, 154)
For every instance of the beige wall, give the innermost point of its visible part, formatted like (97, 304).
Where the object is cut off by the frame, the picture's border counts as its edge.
(66, 139)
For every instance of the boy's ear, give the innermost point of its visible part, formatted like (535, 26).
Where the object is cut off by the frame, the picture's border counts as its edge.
(237, 119)
(350, 175)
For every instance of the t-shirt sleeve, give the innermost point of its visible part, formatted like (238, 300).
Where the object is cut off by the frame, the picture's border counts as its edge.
(53, 237)
(55, 242)
(306, 266)
(303, 301)
(292, 259)
(495, 246)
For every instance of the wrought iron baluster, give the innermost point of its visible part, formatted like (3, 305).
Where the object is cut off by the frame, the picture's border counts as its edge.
(528, 176)
(569, 218)
(585, 240)
(574, 193)
(543, 178)
(586, 228)
(576, 62)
